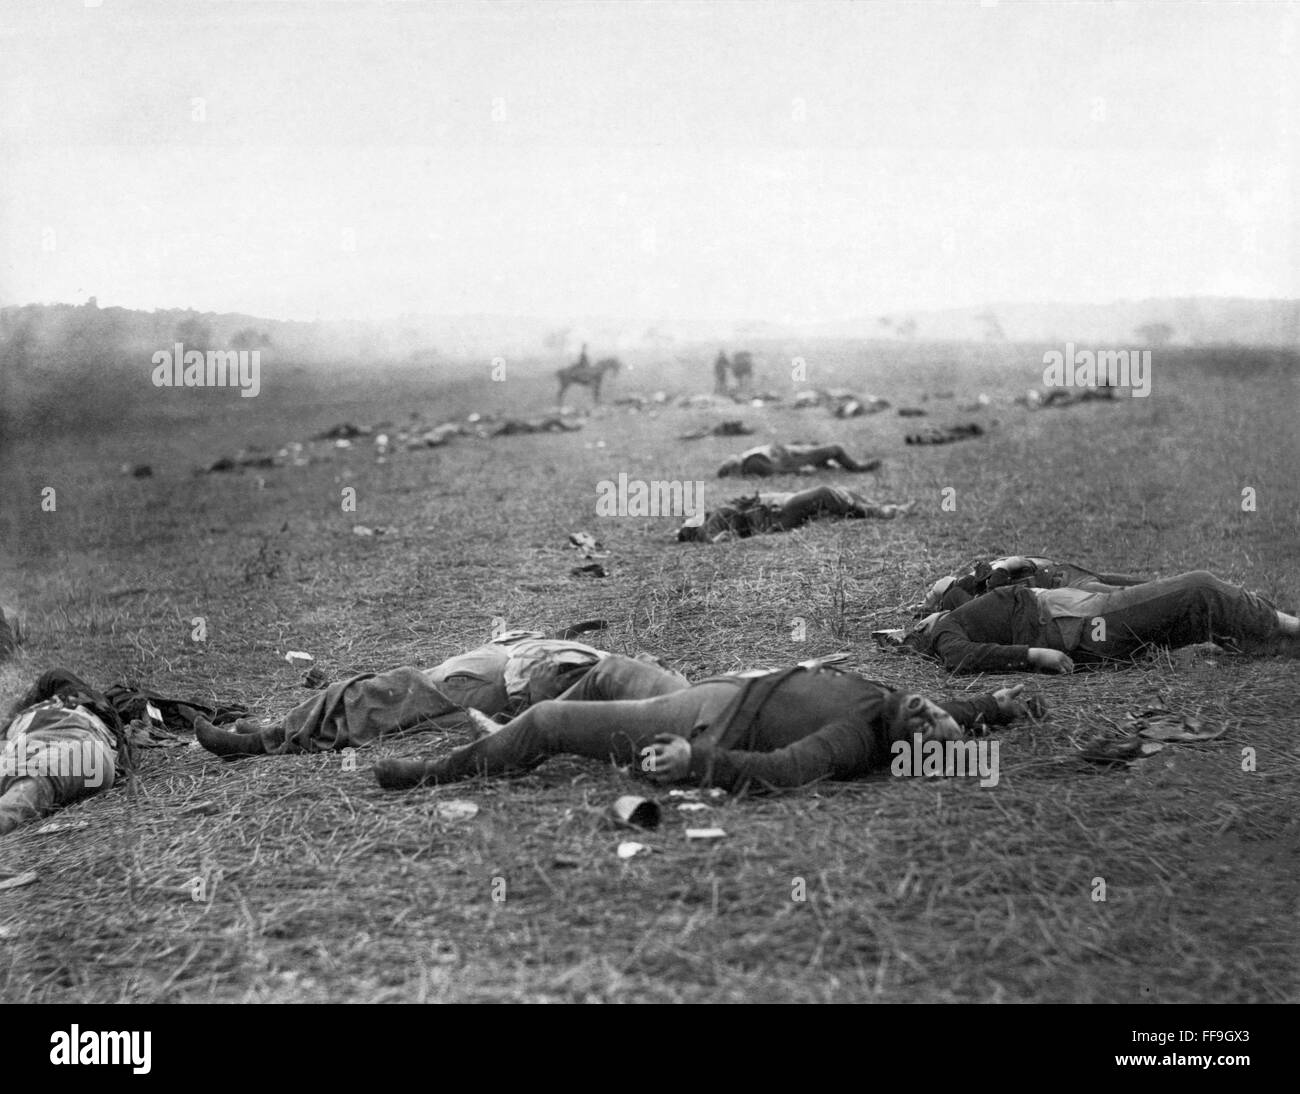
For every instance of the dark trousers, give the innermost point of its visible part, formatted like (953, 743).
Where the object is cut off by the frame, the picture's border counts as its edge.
(822, 455)
(614, 730)
(819, 501)
(366, 708)
(1179, 611)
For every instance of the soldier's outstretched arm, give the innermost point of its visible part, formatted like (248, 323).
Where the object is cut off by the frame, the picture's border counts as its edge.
(838, 750)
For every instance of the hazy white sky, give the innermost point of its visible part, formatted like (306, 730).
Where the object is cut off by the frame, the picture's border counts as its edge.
(662, 160)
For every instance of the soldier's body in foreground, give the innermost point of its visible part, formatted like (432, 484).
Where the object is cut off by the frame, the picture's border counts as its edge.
(63, 742)
(778, 729)
(1023, 628)
(1033, 571)
(503, 676)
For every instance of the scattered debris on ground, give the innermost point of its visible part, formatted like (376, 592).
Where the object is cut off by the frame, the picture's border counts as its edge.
(587, 545)
(631, 811)
(454, 810)
(1158, 723)
(15, 881)
(1117, 750)
(705, 834)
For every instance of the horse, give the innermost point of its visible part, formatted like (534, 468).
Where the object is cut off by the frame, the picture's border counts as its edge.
(587, 375)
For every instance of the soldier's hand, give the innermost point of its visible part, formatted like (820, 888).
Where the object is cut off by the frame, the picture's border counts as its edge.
(1050, 660)
(1010, 705)
(1013, 704)
(667, 760)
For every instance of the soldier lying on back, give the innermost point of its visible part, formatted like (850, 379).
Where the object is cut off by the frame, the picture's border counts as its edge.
(1025, 628)
(791, 459)
(506, 675)
(768, 729)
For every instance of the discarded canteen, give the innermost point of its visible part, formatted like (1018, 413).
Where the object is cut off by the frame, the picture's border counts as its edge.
(629, 811)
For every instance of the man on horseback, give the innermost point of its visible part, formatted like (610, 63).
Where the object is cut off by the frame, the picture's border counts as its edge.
(584, 373)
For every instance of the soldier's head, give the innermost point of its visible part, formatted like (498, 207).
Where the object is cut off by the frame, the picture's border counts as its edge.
(945, 594)
(934, 598)
(907, 713)
(714, 526)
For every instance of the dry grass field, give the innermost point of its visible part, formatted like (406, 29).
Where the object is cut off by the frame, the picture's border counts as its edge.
(320, 886)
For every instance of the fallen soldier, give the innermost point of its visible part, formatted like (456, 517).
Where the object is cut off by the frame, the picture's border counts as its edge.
(237, 463)
(791, 459)
(1022, 628)
(551, 424)
(732, 427)
(947, 434)
(853, 407)
(344, 431)
(983, 575)
(842, 403)
(1061, 397)
(775, 729)
(776, 512)
(503, 676)
(64, 741)
(435, 437)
